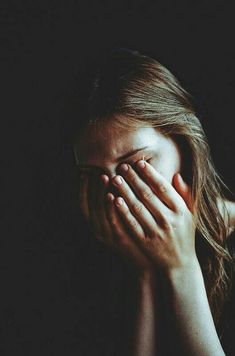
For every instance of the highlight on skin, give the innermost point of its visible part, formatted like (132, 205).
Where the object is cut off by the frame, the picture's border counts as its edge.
(135, 90)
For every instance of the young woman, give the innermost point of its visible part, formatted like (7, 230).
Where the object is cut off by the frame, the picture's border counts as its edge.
(150, 192)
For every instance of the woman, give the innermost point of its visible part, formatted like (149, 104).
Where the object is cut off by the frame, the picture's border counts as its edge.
(151, 193)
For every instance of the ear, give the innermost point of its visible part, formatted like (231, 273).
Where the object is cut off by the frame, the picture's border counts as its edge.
(183, 189)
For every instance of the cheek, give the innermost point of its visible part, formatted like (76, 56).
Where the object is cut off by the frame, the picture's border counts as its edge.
(167, 165)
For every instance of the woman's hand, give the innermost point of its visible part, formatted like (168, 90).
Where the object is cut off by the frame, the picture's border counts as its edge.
(107, 224)
(159, 219)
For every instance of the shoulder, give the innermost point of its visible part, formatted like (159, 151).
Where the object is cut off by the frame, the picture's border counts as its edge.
(230, 206)
(227, 210)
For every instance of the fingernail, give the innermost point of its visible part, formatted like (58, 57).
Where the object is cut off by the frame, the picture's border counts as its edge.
(110, 197)
(141, 164)
(118, 180)
(103, 179)
(119, 201)
(124, 167)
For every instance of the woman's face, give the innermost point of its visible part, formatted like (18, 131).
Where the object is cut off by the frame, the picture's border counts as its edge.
(105, 149)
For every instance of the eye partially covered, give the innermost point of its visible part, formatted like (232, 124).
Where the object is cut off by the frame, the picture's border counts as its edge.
(133, 164)
(89, 169)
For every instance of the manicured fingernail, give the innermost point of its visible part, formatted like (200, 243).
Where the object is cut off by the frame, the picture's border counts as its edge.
(118, 180)
(141, 164)
(119, 201)
(124, 167)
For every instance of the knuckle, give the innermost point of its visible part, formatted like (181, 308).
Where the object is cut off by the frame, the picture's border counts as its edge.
(162, 188)
(132, 176)
(147, 194)
(166, 225)
(136, 207)
(181, 210)
(164, 222)
(133, 224)
(148, 244)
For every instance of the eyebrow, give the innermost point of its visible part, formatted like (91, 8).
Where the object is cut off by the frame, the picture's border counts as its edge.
(126, 155)
(130, 153)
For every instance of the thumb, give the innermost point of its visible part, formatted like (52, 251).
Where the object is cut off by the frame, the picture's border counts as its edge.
(183, 189)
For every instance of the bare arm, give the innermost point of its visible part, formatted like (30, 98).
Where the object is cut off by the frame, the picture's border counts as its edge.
(192, 319)
(145, 341)
(171, 246)
(170, 242)
(227, 210)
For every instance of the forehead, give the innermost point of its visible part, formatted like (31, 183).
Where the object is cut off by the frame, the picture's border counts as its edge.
(110, 140)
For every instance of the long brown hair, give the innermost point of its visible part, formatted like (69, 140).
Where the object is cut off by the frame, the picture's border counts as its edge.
(135, 89)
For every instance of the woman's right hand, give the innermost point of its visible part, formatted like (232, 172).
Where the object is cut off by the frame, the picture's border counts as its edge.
(107, 224)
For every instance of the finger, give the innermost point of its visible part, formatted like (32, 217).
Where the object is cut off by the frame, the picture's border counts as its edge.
(137, 208)
(161, 186)
(105, 180)
(130, 221)
(126, 237)
(119, 236)
(183, 189)
(144, 192)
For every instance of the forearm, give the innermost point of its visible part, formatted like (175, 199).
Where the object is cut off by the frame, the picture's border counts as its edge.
(191, 312)
(144, 340)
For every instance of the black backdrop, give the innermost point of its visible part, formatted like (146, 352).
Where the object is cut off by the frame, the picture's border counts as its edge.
(53, 301)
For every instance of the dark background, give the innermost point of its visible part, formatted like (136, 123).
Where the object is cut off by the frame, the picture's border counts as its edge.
(53, 303)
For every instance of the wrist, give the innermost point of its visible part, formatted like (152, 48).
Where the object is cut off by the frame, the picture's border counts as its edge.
(185, 276)
(147, 276)
(147, 282)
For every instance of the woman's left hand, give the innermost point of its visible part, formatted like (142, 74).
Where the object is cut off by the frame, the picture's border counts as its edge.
(164, 213)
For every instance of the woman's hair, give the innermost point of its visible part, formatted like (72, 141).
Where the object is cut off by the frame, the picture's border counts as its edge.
(134, 89)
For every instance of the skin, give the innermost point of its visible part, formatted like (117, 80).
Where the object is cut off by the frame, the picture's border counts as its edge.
(99, 150)
(148, 220)
(112, 142)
